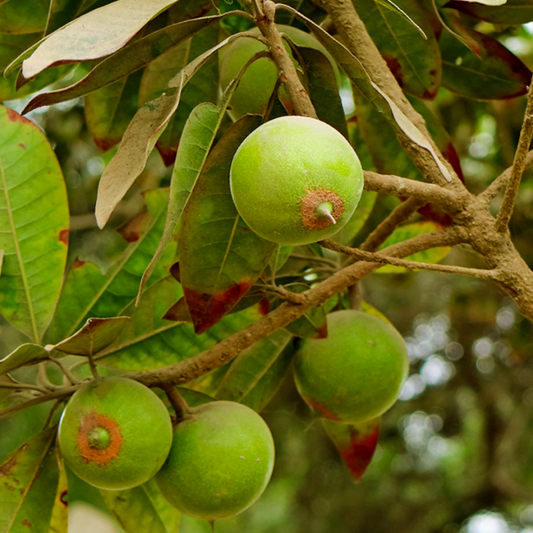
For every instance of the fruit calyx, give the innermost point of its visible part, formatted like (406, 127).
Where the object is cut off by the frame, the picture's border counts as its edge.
(99, 439)
(321, 208)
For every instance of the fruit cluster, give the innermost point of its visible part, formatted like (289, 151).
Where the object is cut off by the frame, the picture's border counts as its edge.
(116, 433)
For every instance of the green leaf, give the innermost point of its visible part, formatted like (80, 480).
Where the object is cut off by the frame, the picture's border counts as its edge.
(127, 60)
(141, 136)
(61, 12)
(257, 372)
(34, 221)
(150, 341)
(94, 35)
(25, 354)
(323, 89)
(23, 16)
(93, 337)
(413, 59)
(360, 216)
(109, 110)
(59, 520)
(89, 293)
(433, 255)
(513, 12)
(203, 87)
(220, 258)
(29, 482)
(496, 74)
(356, 443)
(355, 71)
(168, 514)
(197, 138)
(134, 510)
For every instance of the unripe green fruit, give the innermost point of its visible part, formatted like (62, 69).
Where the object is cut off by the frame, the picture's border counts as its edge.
(115, 433)
(296, 180)
(221, 460)
(357, 372)
(255, 88)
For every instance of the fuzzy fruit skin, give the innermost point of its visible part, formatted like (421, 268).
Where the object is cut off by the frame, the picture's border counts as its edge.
(357, 372)
(279, 163)
(221, 460)
(140, 433)
(256, 85)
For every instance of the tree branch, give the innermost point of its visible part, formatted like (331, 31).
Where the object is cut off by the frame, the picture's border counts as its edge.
(286, 69)
(519, 164)
(449, 200)
(362, 255)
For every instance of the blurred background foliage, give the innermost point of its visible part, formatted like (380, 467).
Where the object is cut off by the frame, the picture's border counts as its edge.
(455, 453)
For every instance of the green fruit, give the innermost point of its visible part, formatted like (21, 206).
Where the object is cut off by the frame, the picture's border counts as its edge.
(221, 460)
(296, 180)
(357, 372)
(257, 84)
(115, 433)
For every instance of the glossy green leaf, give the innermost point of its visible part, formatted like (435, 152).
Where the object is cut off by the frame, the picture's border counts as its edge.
(94, 336)
(413, 59)
(433, 255)
(360, 216)
(89, 293)
(109, 110)
(497, 74)
(23, 16)
(357, 74)
(127, 60)
(134, 510)
(94, 35)
(220, 258)
(150, 341)
(61, 12)
(356, 443)
(323, 89)
(203, 87)
(33, 225)
(512, 12)
(25, 354)
(257, 372)
(24, 495)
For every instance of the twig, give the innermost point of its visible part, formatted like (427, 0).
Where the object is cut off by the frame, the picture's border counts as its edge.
(73, 380)
(286, 70)
(178, 403)
(398, 215)
(519, 164)
(362, 255)
(293, 297)
(315, 258)
(501, 181)
(20, 386)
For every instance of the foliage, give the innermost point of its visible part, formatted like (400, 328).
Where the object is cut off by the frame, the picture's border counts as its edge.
(121, 250)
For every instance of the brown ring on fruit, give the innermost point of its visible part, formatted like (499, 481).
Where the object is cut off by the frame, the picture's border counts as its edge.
(100, 456)
(312, 200)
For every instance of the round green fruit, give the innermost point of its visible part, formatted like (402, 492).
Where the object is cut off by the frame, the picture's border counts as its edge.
(357, 372)
(115, 433)
(221, 460)
(257, 83)
(296, 180)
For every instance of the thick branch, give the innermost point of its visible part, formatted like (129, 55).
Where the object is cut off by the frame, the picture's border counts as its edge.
(353, 34)
(519, 164)
(449, 200)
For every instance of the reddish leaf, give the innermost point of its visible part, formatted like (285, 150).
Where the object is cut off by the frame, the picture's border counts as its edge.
(356, 443)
